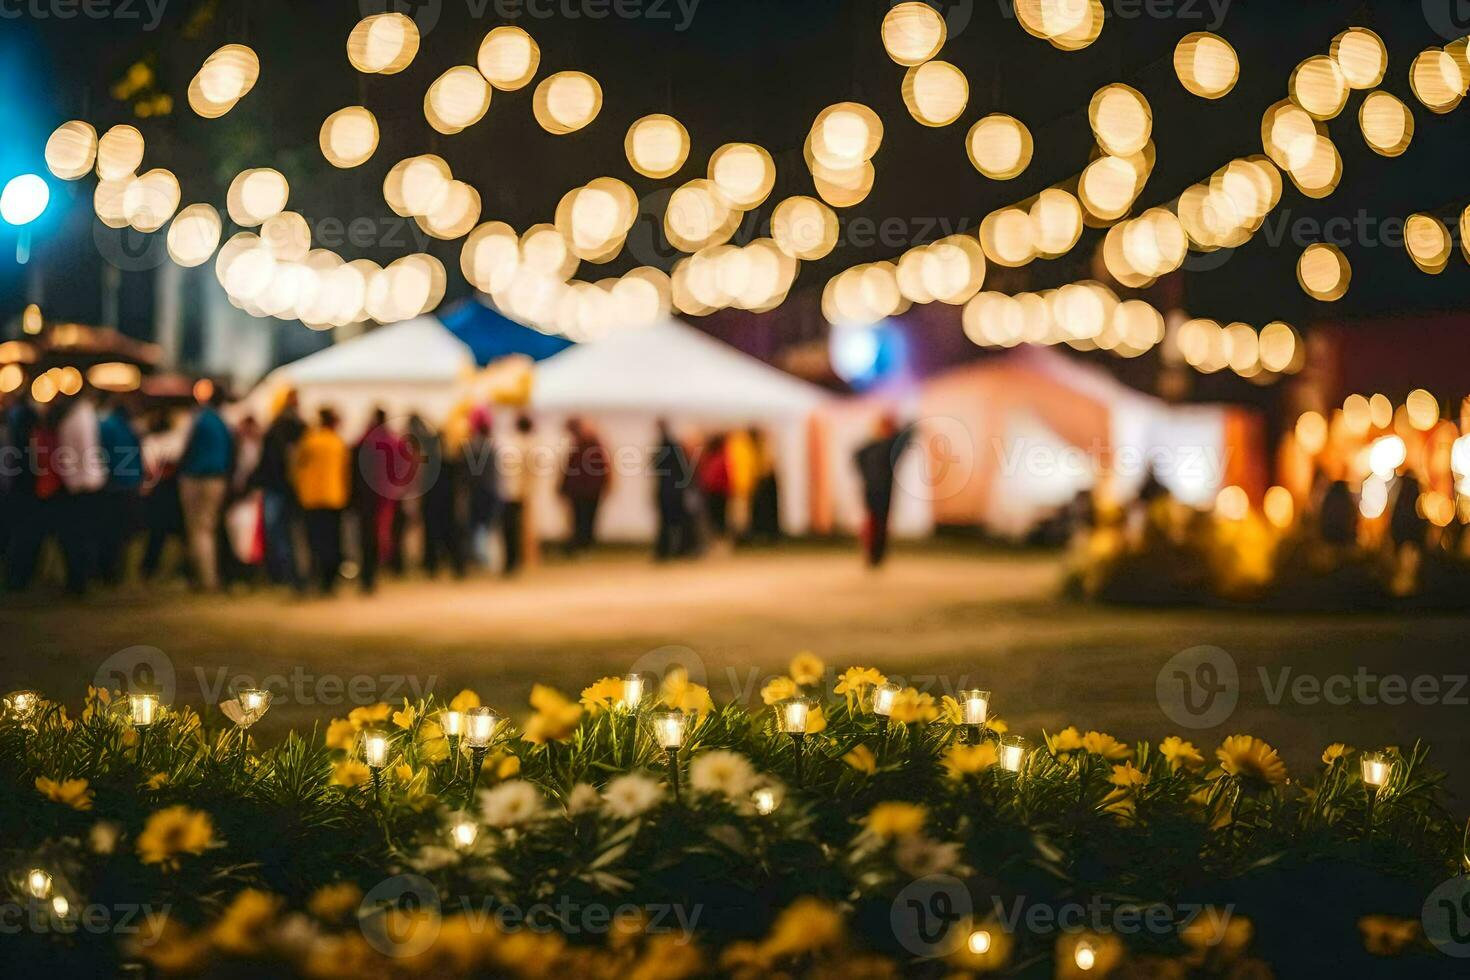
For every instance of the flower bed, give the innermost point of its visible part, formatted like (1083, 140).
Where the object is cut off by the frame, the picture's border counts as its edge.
(901, 845)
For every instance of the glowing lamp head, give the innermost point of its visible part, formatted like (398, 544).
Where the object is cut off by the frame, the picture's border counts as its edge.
(883, 697)
(256, 702)
(452, 723)
(375, 749)
(38, 883)
(464, 832)
(60, 906)
(1377, 767)
(792, 715)
(766, 799)
(24, 199)
(1084, 955)
(1012, 753)
(143, 709)
(632, 692)
(22, 704)
(976, 706)
(480, 725)
(979, 942)
(669, 728)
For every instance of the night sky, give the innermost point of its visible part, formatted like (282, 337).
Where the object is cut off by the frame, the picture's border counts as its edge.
(750, 70)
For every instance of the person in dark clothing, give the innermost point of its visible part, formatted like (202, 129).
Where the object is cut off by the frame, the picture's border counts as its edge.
(1405, 524)
(378, 466)
(34, 492)
(163, 514)
(584, 482)
(513, 472)
(765, 501)
(673, 474)
(876, 463)
(1339, 516)
(714, 484)
(437, 492)
(121, 498)
(280, 510)
(483, 478)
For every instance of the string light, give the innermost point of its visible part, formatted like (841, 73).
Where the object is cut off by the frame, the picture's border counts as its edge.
(999, 146)
(1324, 273)
(936, 93)
(913, 33)
(71, 150)
(657, 146)
(383, 44)
(566, 102)
(508, 58)
(1206, 65)
(1387, 124)
(349, 137)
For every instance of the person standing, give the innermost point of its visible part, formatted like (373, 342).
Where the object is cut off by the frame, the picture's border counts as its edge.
(279, 507)
(876, 462)
(672, 473)
(765, 504)
(483, 477)
(204, 473)
(714, 485)
(377, 484)
(121, 499)
(436, 496)
(321, 479)
(163, 515)
(513, 466)
(82, 466)
(584, 481)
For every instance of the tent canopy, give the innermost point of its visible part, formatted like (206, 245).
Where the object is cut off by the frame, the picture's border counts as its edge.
(673, 369)
(418, 351)
(491, 335)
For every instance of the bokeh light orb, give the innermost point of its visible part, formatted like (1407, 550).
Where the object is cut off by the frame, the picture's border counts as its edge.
(1361, 57)
(743, 173)
(194, 235)
(936, 93)
(1206, 65)
(457, 100)
(566, 102)
(1121, 119)
(509, 58)
(24, 199)
(71, 150)
(349, 137)
(657, 146)
(913, 33)
(1000, 146)
(119, 153)
(256, 195)
(1387, 124)
(1324, 273)
(804, 228)
(383, 44)
(1428, 242)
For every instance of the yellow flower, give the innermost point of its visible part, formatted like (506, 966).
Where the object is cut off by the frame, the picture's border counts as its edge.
(404, 718)
(464, 701)
(910, 706)
(1178, 752)
(816, 720)
(967, 760)
(602, 695)
(806, 925)
(508, 766)
(862, 759)
(364, 716)
(667, 956)
(403, 772)
(1250, 758)
(241, 930)
(350, 773)
(556, 716)
(997, 725)
(1127, 777)
(173, 831)
(172, 948)
(156, 781)
(433, 746)
(1099, 743)
(1219, 930)
(855, 680)
(1064, 742)
(1384, 935)
(950, 710)
(807, 669)
(1334, 752)
(680, 694)
(71, 792)
(340, 734)
(779, 689)
(334, 902)
(889, 820)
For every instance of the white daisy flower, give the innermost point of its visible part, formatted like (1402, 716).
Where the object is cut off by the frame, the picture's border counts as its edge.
(582, 799)
(632, 796)
(510, 803)
(728, 774)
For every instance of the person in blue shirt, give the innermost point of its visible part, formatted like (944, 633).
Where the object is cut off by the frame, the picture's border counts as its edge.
(204, 474)
(121, 502)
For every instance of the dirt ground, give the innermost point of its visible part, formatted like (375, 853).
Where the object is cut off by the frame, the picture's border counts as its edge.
(946, 616)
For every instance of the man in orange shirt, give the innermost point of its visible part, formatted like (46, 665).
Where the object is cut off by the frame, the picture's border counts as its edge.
(321, 473)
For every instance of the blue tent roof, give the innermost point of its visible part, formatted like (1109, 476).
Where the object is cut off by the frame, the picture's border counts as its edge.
(491, 336)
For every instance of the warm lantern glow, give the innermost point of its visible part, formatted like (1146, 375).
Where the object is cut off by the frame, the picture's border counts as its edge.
(1387, 124)
(567, 102)
(1232, 504)
(1438, 80)
(150, 200)
(225, 78)
(1361, 57)
(72, 150)
(913, 33)
(119, 153)
(1324, 273)
(383, 44)
(743, 174)
(194, 235)
(256, 195)
(1121, 119)
(669, 728)
(457, 100)
(1318, 86)
(1428, 242)
(844, 136)
(349, 137)
(657, 146)
(509, 58)
(1000, 146)
(804, 228)
(936, 93)
(1207, 65)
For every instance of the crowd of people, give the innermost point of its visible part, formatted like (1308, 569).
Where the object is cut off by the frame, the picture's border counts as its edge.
(296, 502)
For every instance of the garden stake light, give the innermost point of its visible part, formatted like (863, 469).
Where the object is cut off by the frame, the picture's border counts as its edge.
(143, 711)
(668, 731)
(375, 754)
(23, 704)
(480, 725)
(976, 707)
(464, 832)
(1012, 753)
(451, 722)
(38, 883)
(792, 716)
(883, 697)
(629, 701)
(1377, 767)
(766, 800)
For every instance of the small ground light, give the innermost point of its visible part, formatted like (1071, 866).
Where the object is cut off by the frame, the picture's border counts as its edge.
(256, 703)
(1012, 753)
(980, 942)
(464, 833)
(60, 906)
(1084, 955)
(480, 725)
(766, 800)
(883, 697)
(632, 692)
(143, 709)
(668, 731)
(38, 882)
(451, 723)
(1376, 769)
(22, 704)
(792, 716)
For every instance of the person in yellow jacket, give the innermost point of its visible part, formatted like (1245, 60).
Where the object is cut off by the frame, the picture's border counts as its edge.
(321, 473)
(740, 459)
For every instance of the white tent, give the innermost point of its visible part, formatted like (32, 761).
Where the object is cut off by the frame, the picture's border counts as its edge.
(414, 366)
(625, 383)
